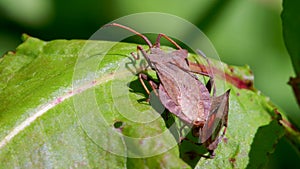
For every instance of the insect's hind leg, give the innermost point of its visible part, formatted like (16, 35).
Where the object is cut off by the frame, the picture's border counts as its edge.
(211, 83)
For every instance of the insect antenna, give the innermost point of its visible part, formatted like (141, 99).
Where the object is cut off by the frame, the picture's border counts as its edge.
(133, 31)
(166, 37)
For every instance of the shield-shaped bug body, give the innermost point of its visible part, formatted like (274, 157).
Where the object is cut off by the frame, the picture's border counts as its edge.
(181, 92)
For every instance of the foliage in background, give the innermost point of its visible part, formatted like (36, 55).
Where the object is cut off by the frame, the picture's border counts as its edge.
(60, 136)
(291, 33)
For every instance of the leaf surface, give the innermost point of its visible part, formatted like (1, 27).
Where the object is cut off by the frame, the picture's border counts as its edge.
(68, 104)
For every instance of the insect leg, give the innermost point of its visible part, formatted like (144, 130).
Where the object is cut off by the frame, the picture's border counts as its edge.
(144, 53)
(226, 111)
(153, 85)
(209, 73)
(199, 69)
(157, 43)
(137, 55)
(226, 115)
(223, 103)
(143, 77)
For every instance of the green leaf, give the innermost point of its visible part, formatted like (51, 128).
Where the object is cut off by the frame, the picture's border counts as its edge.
(291, 26)
(68, 104)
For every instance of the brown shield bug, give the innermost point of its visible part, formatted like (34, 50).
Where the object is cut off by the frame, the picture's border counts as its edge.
(181, 92)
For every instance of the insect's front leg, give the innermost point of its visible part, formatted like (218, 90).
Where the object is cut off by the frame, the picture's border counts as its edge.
(136, 56)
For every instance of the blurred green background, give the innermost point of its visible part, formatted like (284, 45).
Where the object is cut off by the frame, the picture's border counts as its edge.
(243, 32)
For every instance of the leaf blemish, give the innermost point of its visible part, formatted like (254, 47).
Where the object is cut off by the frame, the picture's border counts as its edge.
(225, 140)
(118, 124)
(232, 160)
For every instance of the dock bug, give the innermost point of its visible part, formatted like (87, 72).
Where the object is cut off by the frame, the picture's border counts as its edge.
(182, 93)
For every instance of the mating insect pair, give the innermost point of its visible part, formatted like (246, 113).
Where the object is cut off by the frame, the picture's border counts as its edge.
(181, 92)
